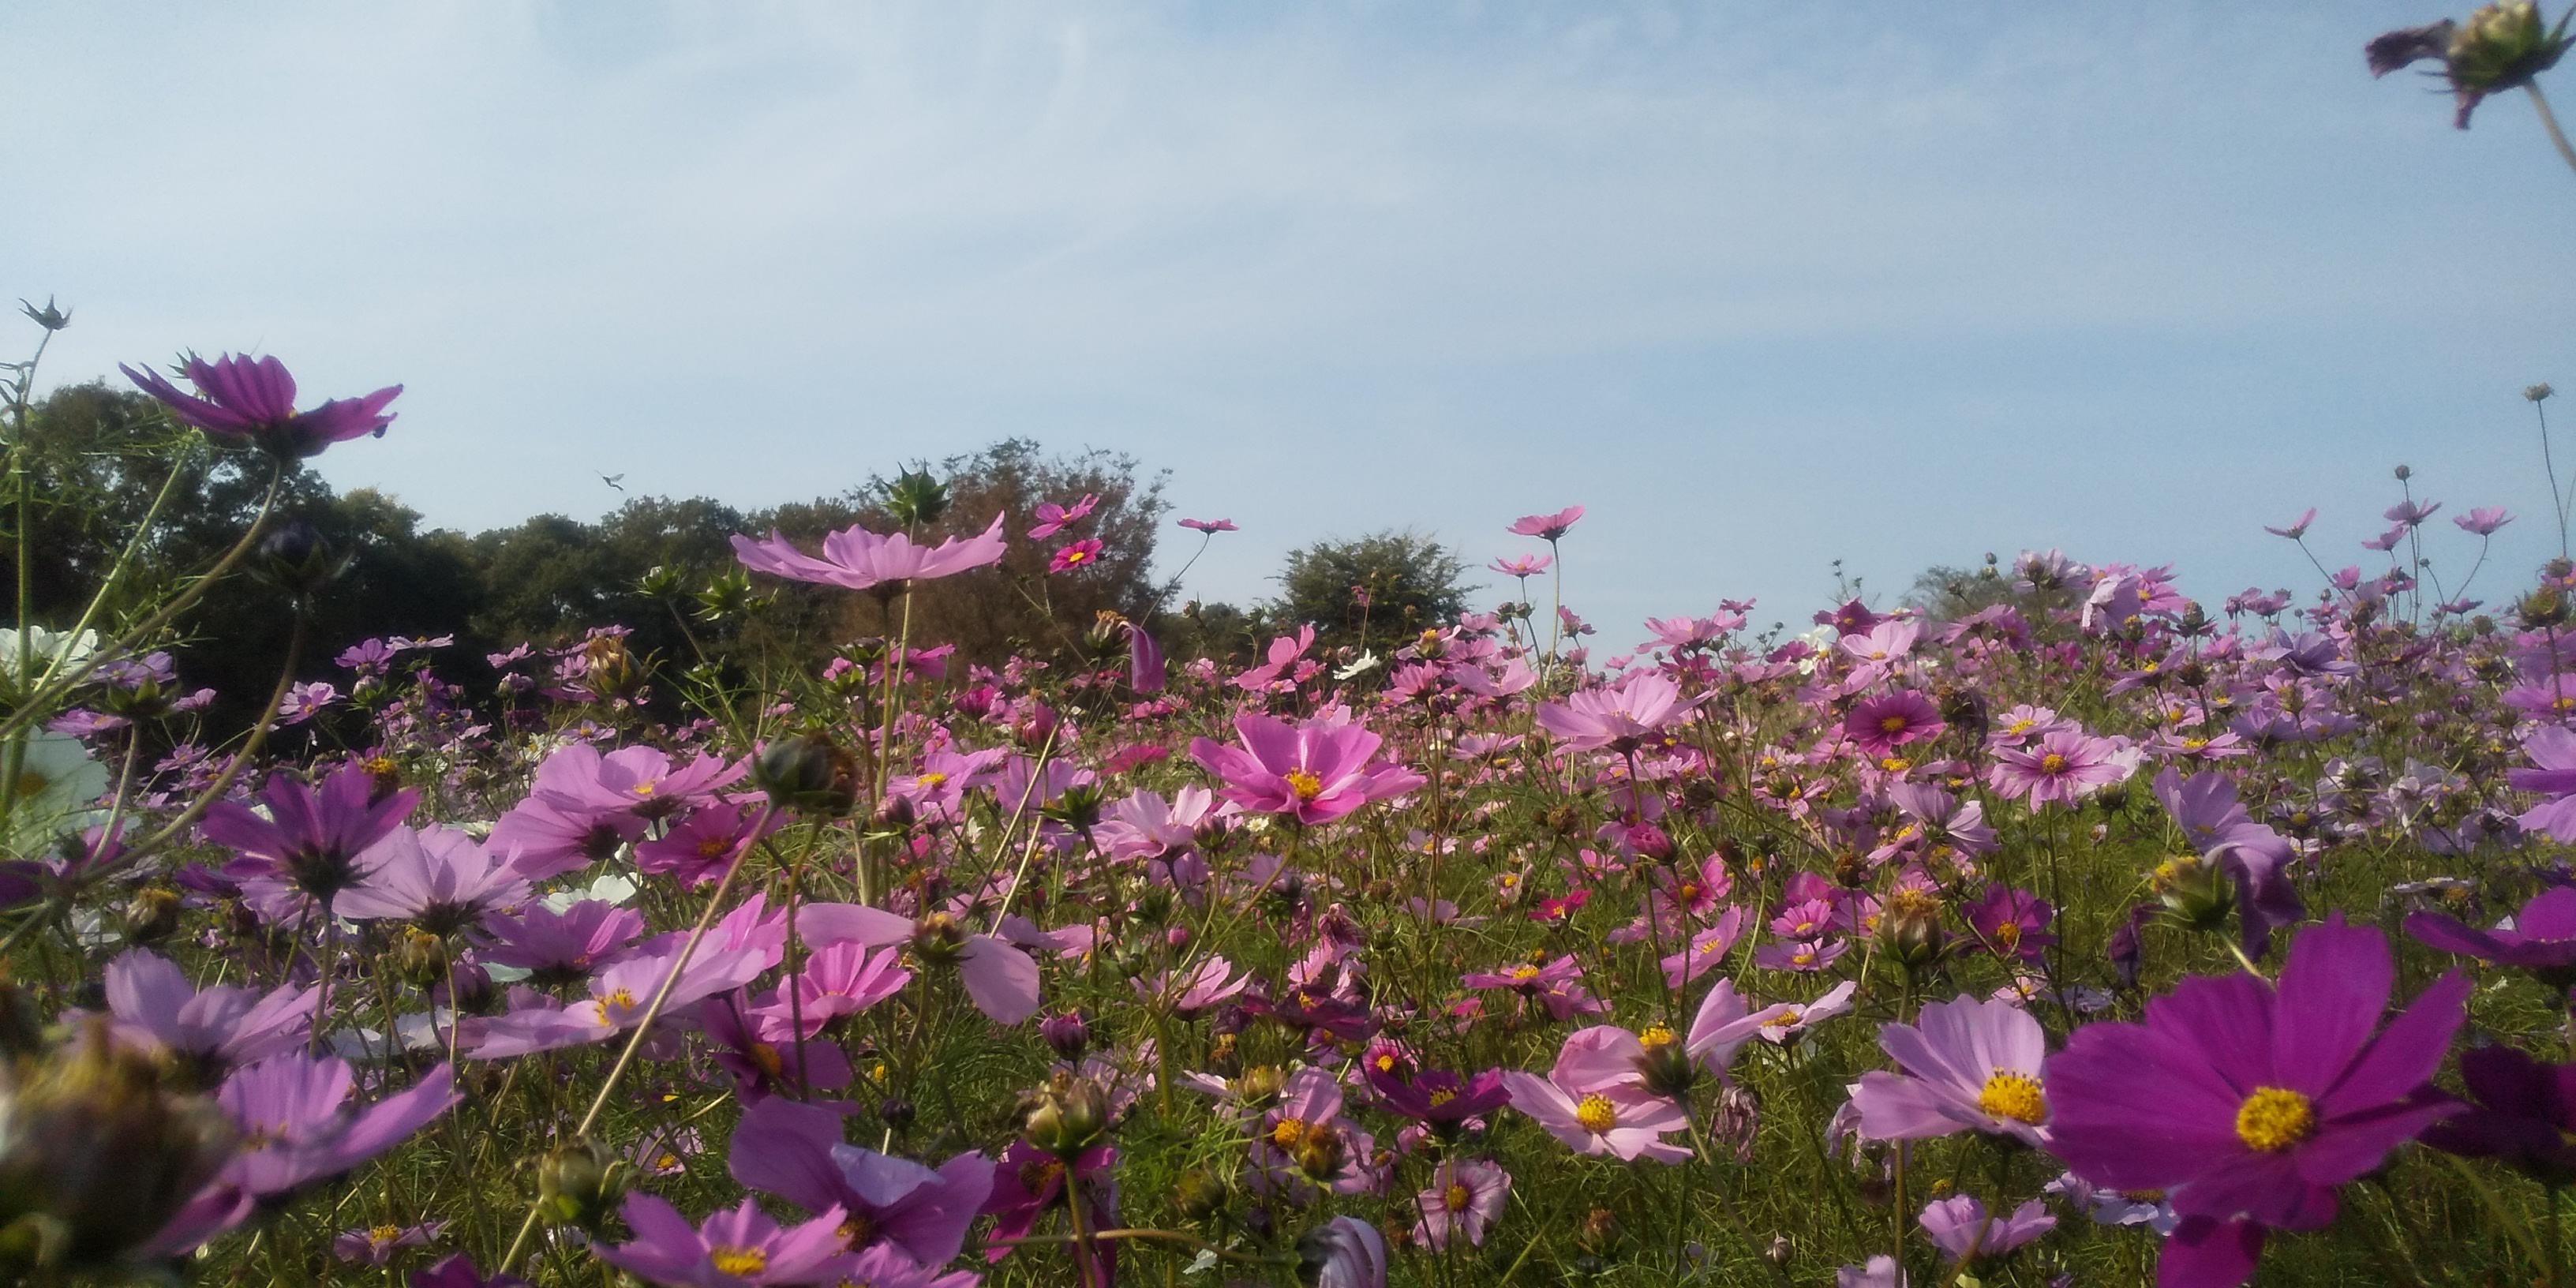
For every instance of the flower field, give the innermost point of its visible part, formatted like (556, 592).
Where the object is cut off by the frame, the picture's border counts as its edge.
(2094, 936)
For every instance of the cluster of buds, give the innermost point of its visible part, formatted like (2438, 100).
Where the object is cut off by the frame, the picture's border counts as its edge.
(1067, 1117)
(581, 1182)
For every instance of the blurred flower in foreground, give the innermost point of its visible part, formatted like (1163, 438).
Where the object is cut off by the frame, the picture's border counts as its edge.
(253, 399)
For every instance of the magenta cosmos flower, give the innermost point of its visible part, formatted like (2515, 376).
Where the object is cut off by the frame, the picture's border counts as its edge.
(2250, 1104)
(2540, 938)
(796, 1152)
(1075, 554)
(1053, 518)
(310, 839)
(1969, 1065)
(733, 1249)
(1616, 720)
(254, 399)
(1315, 771)
(857, 559)
(1547, 527)
(1884, 723)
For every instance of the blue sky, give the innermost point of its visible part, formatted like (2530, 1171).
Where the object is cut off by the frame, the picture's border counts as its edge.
(1896, 284)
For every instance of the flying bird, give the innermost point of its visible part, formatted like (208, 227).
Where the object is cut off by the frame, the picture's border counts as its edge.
(611, 480)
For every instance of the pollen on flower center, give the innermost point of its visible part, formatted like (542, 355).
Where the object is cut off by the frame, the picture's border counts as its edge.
(622, 1000)
(1596, 1113)
(2052, 763)
(738, 1261)
(1289, 1133)
(2015, 1096)
(1455, 1198)
(2274, 1119)
(1655, 1035)
(383, 1234)
(1303, 785)
(766, 1057)
(1892, 724)
(932, 779)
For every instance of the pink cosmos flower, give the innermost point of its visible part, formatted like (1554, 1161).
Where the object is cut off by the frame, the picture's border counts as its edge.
(435, 877)
(2297, 527)
(1000, 979)
(1585, 1102)
(1315, 771)
(1522, 565)
(857, 559)
(1725, 1022)
(220, 1028)
(1210, 526)
(1547, 527)
(1075, 554)
(1884, 723)
(1960, 1227)
(2482, 522)
(2067, 765)
(1465, 1198)
(1969, 1064)
(734, 1249)
(1053, 518)
(1617, 720)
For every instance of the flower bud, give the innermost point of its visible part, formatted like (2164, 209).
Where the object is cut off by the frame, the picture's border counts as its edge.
(1909, 930)
(418, 958)
(1067, 1116)
(1199, 1194)
(295, 558)
(916, 499)
(808, 772)
(581, 1182)
(151, 916)
(2193, 890)
(1666, 1068)
(1068, 1034)
(98, 1150)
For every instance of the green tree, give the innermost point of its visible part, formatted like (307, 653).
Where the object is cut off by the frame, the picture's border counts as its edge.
(1386, 584)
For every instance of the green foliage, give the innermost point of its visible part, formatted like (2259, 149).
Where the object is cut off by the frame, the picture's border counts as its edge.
(1392, 582)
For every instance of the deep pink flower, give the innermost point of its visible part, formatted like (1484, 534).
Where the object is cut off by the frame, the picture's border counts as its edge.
(796, 1152)
(2250, 1103)
(1053, 518)
(1315, 771)
(1000, 979)
(1884, 723)
(254, 399)
(1074, 554)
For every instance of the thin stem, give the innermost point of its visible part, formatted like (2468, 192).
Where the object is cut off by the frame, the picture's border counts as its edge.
(2549, 122)
(2550, 465)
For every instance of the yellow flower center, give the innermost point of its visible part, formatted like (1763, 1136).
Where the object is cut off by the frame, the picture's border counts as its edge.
(1596, 1113)
(1442, 1096)
(713, 847)
(1523, 974)
(932, 779)
(1892, 724)
(622, 1000)
(2274, 1119)
(1785, 1019)
(1895, 764)
(1655, 1037)
(2008, 935)
(765, 1056)
(2052, 763)
(1455, 1198)
(2014, 1096)
(666, 1162)
(383, 1234)
(1303, 785)
(738, 1261)
(1290, 1132)
(646, 789)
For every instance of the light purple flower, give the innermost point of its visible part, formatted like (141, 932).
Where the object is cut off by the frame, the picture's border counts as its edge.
(254, 399)
(733, 1249)
(1969, 1065)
